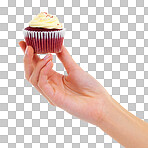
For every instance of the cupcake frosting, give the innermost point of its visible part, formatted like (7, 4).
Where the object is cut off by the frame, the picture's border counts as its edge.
(45, 20)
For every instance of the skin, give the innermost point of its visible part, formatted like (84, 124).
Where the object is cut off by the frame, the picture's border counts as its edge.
(81, 95)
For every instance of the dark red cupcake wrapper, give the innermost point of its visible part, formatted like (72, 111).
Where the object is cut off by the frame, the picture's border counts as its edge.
(44, 42)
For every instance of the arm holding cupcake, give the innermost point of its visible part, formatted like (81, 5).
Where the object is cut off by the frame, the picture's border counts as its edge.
(81, 95)
(78, 93)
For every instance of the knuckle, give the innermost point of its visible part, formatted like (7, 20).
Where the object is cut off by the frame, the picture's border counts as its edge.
(38, 64)
(26, 76)
(40, 84)
(42, 71)
(25, 58)
(31, 81)
(41, 63)
(51, 103)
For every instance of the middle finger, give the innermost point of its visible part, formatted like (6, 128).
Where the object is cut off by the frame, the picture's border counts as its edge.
(28, 66)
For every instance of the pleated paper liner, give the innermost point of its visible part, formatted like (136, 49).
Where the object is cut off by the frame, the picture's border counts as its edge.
(45, 41)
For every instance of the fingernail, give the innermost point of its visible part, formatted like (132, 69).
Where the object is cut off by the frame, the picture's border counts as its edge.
(48, 63)
(26, 51)
(47, 56)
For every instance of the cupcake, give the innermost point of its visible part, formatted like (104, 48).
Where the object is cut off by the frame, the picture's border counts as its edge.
(45, 34)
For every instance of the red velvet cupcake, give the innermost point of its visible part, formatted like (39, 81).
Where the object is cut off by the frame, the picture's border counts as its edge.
(45, 34)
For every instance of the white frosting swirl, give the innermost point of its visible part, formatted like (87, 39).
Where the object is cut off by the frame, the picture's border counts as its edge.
(45, 20)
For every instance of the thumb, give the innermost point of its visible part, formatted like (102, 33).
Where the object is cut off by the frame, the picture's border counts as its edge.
(67, 60)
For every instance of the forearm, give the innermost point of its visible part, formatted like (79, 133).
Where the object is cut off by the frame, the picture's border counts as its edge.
(123, 126)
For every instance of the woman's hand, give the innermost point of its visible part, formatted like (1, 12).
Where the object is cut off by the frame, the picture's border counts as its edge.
(78, 93)
(82, 96)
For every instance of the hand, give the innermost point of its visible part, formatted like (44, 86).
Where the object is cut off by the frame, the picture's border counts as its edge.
(77, 93)
(82, 96)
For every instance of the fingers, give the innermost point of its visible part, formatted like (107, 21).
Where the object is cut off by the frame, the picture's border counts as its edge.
(67, 60)
(43, 79)
(33, 64)
(23, 45)
(36, 58)
(28, 66)
(35, 75)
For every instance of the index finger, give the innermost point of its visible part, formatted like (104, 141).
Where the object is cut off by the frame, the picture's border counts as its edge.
(35, 59)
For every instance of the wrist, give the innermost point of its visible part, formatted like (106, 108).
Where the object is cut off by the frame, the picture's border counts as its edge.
(112, 118)
(112, 113)
(103, 109)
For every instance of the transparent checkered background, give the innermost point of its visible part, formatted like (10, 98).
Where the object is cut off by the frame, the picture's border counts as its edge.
(107, 38)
